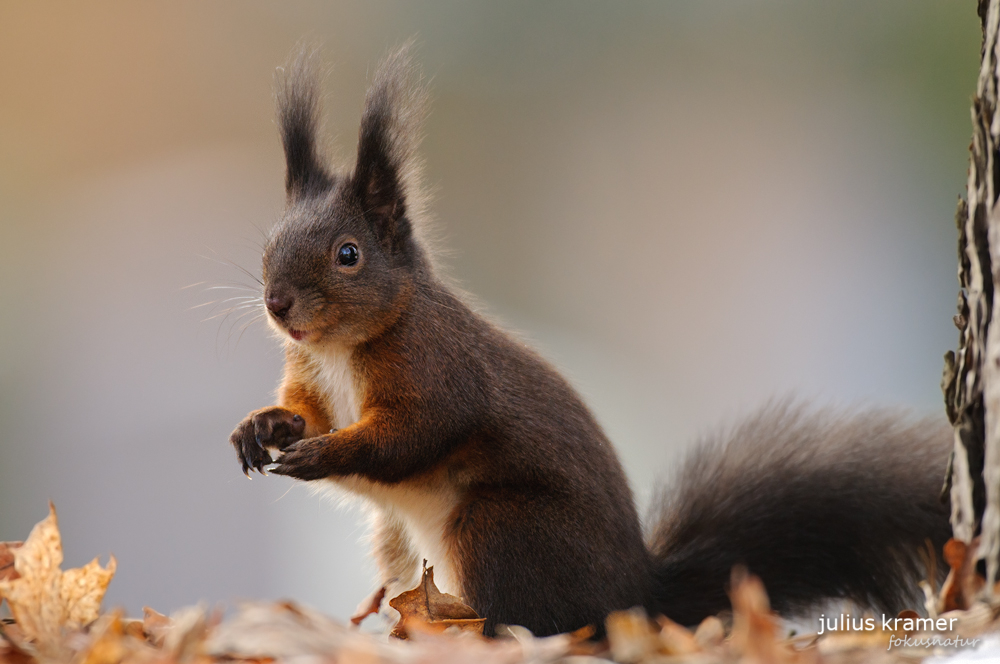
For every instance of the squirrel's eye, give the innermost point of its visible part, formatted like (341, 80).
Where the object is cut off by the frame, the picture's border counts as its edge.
(348, 254)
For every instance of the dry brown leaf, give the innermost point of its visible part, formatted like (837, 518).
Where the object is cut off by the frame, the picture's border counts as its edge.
(835, 643)
(415, 625)
(904, 614)
(676, 640)
(288, 632)
(44, 600)
(963, 584)
(190, 628)
(710, 633)
(7, 570)
(631, 635)
(427, 604)
(368, 607)
(755, 628)
(582, 642)
(134, 628)
(10, 652)
(107, 645)
(12, 634)
(155, 626)
(113, 639)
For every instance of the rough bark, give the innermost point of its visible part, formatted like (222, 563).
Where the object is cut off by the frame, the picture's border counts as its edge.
(972, 374)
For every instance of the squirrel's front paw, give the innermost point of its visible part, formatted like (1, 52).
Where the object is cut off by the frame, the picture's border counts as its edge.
(269, 427)
(309, 459)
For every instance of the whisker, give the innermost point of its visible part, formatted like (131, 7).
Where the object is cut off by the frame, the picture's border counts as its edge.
(232, 327)
(244, 299)
(229, 312)
(204, 304)
(246, 326)
(244, 288)
(226, 261)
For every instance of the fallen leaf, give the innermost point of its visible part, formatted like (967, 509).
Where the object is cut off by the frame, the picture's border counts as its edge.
(710, 632)
(372, 607)
(288, 632)
(44, 600)
(963, 584)
(7, 570)
(582, 642)
(134, 628)
(631, 635)
(107, 646)
(675, 639)
(155, 626)
(190, 628)
(438, 610)
(12, 634)
(755, 628)
(835, 643)
(903, 615)
(977, 619)
(10, 651)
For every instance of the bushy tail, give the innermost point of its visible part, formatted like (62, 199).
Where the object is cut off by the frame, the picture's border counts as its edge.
(819, 504)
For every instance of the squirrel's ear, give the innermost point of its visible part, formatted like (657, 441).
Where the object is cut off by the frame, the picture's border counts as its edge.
(297, 92)
(386, 176)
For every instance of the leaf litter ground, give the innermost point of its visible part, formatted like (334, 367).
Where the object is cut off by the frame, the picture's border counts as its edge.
(57, 618)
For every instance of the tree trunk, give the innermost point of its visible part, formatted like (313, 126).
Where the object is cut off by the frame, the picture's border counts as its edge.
(972, 374)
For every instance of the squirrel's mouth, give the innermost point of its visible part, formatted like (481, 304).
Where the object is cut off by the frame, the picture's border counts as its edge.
(298, 335)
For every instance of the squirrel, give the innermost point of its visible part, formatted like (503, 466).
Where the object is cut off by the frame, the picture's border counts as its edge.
(478, 456)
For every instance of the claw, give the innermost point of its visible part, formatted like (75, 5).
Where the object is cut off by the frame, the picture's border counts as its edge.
(246, 470)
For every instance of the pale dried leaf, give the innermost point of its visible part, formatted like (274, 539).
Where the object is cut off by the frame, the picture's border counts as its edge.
(155, 626)
(45, 601)
(544, 649)
(840, 642)
(676, 640)
(287, 631)
(107, 645)
(755, 628)
(188, 633)
(7, 570)
(134, 628)
(710, 633)
(83, 589)
(631, 636)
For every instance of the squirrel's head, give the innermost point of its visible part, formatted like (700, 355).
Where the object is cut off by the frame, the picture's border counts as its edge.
(344, 259)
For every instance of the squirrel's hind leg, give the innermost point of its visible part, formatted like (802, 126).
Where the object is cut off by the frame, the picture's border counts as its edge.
(397, 562)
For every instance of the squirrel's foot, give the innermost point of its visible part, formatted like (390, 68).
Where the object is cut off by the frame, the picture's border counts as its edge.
(273, 427)
(309, 459)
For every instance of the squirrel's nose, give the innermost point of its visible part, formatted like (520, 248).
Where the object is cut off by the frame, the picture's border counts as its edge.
(279, 304)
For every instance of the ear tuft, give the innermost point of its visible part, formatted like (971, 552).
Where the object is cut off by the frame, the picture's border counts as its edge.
(387, 173)
(298, 97)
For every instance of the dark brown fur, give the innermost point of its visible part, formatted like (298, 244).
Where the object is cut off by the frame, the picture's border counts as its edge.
(468, 442)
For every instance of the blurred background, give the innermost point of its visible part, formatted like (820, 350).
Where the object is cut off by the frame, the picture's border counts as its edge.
(689, 207)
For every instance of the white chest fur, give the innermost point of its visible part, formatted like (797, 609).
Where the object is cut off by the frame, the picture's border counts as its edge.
(423, 508)
(336, 379)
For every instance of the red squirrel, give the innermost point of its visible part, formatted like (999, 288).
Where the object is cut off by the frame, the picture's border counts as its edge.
(479, 457)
